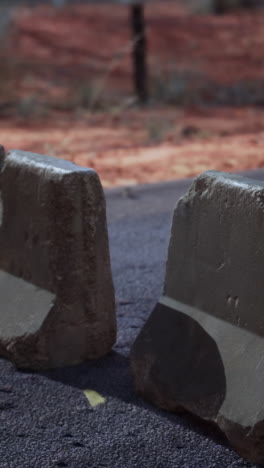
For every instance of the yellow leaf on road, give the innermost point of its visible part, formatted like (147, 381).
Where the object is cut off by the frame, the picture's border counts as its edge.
(94, 398)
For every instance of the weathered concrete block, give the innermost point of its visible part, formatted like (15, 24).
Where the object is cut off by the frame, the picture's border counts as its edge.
(57, 303)
(202, 348)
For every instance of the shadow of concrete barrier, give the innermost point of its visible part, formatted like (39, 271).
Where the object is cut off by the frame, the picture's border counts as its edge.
(202, 348)
(57, 304)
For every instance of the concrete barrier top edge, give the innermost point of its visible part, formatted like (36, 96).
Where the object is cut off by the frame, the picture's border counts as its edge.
(60, 166)
(246, 181)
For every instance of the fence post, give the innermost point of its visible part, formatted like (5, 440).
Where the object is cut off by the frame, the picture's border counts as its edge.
(139, 52)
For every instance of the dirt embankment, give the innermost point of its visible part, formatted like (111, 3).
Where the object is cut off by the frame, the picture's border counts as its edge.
(67, 91)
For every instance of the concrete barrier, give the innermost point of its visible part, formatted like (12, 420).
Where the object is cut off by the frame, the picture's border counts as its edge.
(202, 348)
(57, 303)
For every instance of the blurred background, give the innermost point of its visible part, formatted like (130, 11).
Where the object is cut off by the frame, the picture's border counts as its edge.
(142, 92)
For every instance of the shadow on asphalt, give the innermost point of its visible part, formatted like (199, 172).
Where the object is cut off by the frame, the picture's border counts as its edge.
(111, 376)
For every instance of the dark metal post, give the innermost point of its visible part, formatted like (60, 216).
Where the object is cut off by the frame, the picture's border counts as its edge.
(139, 51)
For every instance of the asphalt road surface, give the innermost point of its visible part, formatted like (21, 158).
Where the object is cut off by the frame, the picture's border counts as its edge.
(46, 420)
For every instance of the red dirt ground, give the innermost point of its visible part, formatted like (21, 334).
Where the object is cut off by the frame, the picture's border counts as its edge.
(53, 53)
